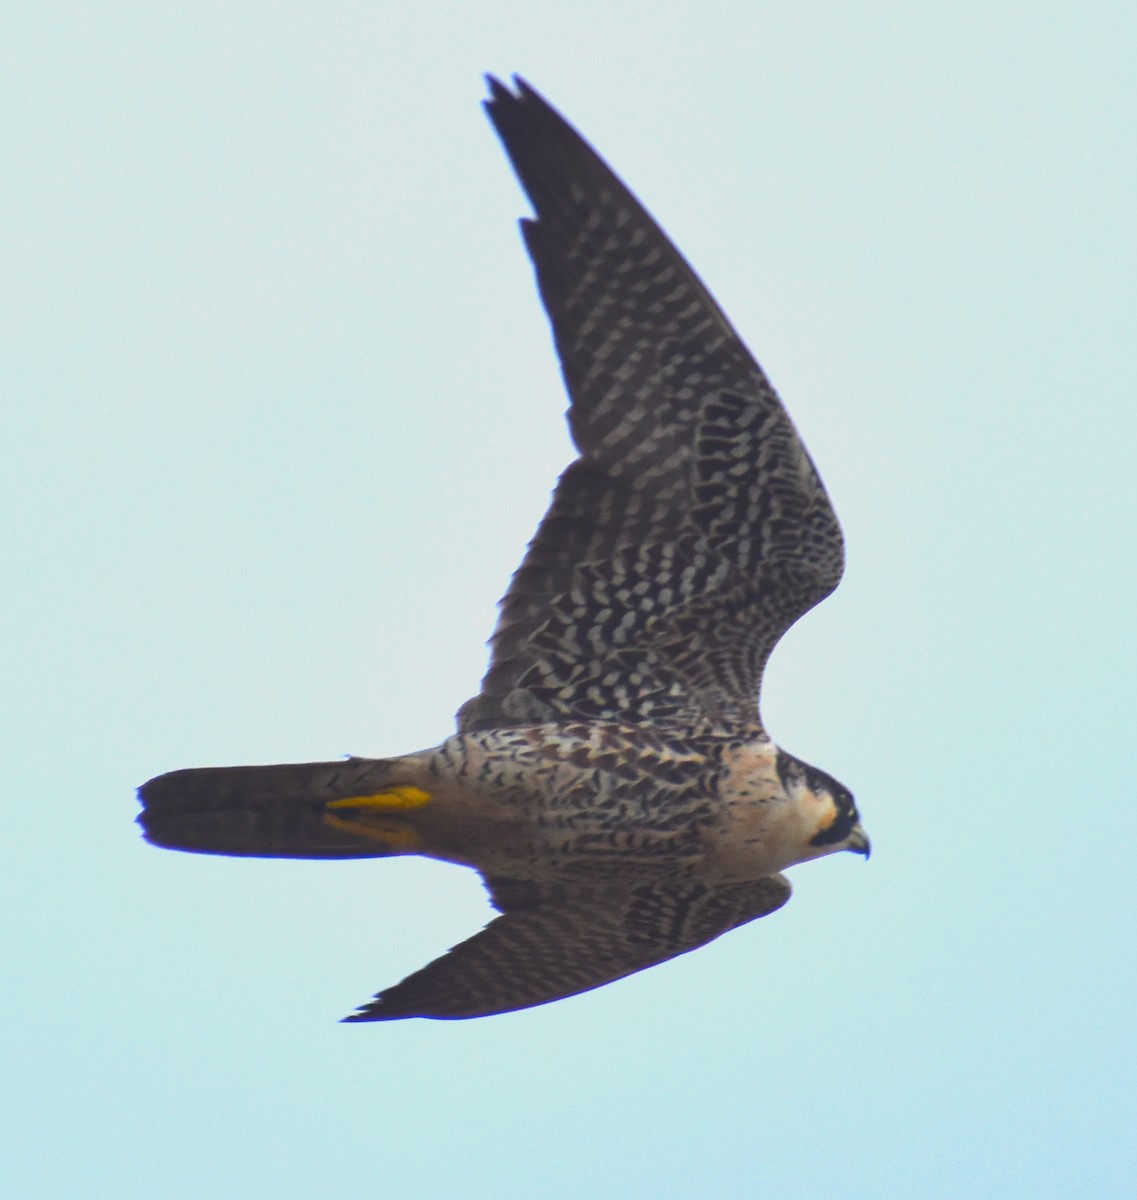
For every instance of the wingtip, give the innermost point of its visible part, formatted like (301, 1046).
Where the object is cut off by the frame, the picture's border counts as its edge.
(368, 1016)
(367, 1013)
(501, 93)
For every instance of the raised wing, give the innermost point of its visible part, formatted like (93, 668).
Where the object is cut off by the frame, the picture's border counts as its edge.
(552, 943)
(693, 530)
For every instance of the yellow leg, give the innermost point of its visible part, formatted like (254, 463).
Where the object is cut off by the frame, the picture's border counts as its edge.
(365, 816)
(403, 796)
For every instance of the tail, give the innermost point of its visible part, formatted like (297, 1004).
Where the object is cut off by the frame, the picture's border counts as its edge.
(349, 809)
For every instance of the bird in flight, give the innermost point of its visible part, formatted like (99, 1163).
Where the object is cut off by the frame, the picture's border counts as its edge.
(612, 781)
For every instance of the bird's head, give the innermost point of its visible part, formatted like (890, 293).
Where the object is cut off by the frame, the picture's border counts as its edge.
(826, 808)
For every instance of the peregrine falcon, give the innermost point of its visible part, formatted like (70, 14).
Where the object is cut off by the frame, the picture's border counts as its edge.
(612, 781)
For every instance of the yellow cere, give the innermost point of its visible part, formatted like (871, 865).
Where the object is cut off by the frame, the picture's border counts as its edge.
(396, 797)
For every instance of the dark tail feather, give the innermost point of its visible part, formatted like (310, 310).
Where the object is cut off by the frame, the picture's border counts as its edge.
(270, 812)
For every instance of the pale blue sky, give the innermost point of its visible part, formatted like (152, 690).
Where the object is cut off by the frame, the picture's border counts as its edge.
(280, 412)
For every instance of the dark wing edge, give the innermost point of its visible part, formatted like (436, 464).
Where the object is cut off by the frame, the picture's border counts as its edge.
(546, 151)
(694, 529)
(552, 943)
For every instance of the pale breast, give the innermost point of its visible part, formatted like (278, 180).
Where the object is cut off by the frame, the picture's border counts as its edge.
(757, 831)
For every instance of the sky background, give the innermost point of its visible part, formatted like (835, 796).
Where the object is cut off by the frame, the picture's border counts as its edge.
(280, 411)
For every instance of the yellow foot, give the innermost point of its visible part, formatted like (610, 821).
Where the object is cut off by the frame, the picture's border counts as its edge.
(397, 836)
(403, 796)
(365, 816)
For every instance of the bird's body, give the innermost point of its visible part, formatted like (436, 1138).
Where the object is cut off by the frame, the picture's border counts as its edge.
(567, 804)
(612, 781)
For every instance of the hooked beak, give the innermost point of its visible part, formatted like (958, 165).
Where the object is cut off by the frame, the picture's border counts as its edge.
(858, 841)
